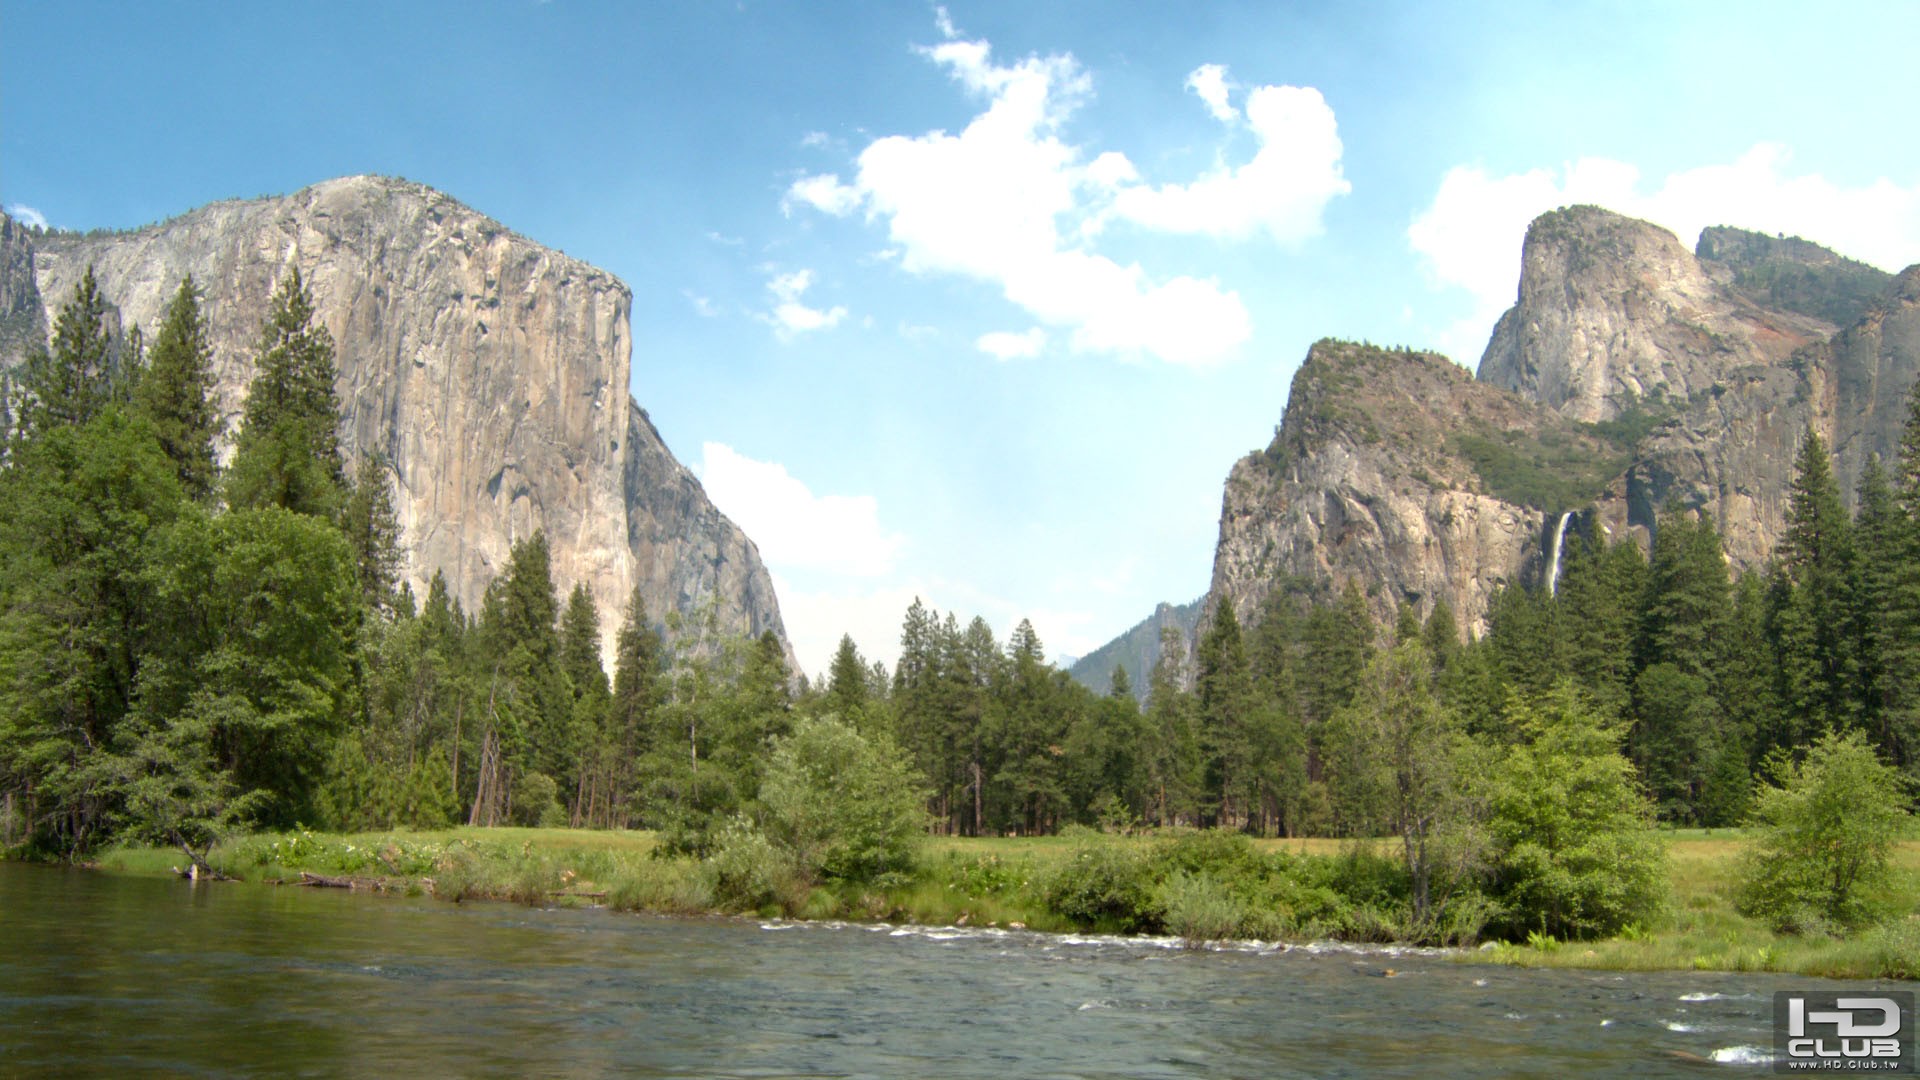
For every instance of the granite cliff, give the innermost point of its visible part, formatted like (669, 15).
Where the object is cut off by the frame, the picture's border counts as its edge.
(491, 371)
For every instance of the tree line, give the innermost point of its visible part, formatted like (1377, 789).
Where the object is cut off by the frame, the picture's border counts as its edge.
(187, 650)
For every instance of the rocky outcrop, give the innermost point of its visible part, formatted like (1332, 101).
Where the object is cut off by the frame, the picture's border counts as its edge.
(1729, 447)
(1399, 471)
(491, 371)
(22, 318)
(1630, 375)
(1786, 273)
(1615, 314)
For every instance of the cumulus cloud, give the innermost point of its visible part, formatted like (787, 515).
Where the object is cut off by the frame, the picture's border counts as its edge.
(1008, 201)
(790, 316)
(1282, 191)
(1469, 237)
(1007, 345)
(824, 193)
(794, 528)
(27, 215)
(1210, 82)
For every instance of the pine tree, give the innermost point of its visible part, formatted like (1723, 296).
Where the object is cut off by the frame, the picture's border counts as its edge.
(1687, 593)
(528, 707)
(1339, 641)
(1173, 752)
(1899, 645)
(1442, 635)
(68, 384)
(1027, 734)
(1877, 532)
(847, 685)
(976, 667)
(1596, 612)
(591, 800)
(1224, 695)
(288, 451)
(1819, 662)
(373, 531)
(176, 391)
(637, 690)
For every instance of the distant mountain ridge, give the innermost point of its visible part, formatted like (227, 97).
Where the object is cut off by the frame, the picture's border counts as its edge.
(1136, 650)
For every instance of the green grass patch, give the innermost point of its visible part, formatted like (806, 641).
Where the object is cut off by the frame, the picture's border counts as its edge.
(1201, 886)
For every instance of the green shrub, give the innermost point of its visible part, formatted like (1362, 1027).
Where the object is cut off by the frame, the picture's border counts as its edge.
(1200, 909)
(746, 872)
(842, 807)
(675, 886)
(982, 875)
(1896, 948)
(1222, 853)
(1574, 853)
(1362, 874)
(1828, 826)
(1103, 884)
(536, 801)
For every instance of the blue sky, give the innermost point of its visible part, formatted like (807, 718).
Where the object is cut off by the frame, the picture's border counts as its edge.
(980, 303)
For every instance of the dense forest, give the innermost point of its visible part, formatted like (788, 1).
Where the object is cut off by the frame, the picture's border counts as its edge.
(187, 651)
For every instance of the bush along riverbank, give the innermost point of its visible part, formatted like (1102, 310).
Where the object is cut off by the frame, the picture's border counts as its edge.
(1203, 887)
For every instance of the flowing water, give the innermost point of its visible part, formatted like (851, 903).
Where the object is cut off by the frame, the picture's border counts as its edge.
(1559, 540)
(105, 975)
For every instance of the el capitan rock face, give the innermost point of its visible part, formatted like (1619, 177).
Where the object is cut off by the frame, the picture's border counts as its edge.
(491, 371)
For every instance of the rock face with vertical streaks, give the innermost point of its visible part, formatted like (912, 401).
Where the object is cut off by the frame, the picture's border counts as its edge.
(490, 371)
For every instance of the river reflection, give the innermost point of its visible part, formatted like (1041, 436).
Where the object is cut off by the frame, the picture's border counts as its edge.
(102, 974)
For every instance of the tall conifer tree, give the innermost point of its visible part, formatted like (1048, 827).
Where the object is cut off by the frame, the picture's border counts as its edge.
(288, 451)
(1819, 664)
(176, 391)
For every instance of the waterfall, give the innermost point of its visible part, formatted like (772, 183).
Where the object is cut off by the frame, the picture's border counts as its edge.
(1559, 538)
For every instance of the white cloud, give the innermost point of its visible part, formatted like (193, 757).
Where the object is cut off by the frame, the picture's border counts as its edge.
(824, 193)
(1470, 235)
(944, 23)
(791, 317)
(703, 306)
(794, 528)
(27, 215)
(1007, 201)
(817, 140)
(724, 240)
(1282, 191)
(1007, 345)
(1210, 82)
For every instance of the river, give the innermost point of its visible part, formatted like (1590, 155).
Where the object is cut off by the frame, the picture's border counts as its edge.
(103, 974)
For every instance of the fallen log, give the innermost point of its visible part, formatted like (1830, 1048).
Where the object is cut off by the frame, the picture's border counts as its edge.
(321, 881)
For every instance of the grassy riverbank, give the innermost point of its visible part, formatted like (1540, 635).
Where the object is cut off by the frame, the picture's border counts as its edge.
(1307, 889)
